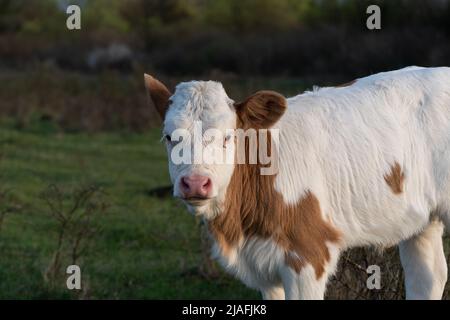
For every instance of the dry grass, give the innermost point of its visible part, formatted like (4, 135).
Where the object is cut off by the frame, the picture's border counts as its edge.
(58, 101)
(74, 213)
(350, 280)
(76, 102)
(351, 276)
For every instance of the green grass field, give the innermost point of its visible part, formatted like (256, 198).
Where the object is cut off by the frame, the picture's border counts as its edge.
(145, 247)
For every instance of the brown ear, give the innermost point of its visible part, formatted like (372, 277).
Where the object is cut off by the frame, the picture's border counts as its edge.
(261, 110)
(158, 93)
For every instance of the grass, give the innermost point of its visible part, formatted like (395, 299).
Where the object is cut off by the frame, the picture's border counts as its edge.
(146, 247)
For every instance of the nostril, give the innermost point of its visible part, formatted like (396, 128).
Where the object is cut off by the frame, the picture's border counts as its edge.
(207, 184)
(184, 184)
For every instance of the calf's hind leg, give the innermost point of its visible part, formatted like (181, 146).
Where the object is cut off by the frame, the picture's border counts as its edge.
(424, 263)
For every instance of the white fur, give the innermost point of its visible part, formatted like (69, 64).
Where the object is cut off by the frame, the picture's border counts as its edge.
(261, 275)
(305, 285)
(339, 143)
(206, 102)
(423, 260)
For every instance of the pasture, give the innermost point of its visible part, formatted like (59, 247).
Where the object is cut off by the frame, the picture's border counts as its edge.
(145, 247)
(136, 241)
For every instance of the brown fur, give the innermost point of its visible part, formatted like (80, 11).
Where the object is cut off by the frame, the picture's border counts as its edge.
(159, 94)
(261, 110)
(253, 208)
(395, 178)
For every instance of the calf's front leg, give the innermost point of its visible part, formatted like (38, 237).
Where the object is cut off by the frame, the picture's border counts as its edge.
(304, 285)
(307, 283)
(273, 293)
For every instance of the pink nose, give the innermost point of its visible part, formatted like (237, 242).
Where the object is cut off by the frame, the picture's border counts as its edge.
(195, 186)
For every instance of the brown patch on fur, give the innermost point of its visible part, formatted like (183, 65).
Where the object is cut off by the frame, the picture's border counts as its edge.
(347, 84)
(261, 110)
(295, 263)
(253, 208)
(395, 178)
(159, 94)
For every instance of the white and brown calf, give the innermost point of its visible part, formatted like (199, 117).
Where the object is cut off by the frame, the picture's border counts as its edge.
(363, 164)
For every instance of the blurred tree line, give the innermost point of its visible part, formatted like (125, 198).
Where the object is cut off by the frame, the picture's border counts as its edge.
(288, 37)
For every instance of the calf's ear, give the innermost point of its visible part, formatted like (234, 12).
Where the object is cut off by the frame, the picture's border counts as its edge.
(261, 110)
(158, 93)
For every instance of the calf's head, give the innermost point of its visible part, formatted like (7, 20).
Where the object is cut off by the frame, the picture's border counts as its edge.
(200, 131)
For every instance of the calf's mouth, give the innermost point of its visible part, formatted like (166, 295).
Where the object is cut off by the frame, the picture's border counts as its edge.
(197, 201)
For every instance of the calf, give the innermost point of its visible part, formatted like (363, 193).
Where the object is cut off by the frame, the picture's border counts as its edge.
(367, 163)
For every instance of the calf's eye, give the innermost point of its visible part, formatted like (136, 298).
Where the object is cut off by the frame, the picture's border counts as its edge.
(168, 138)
